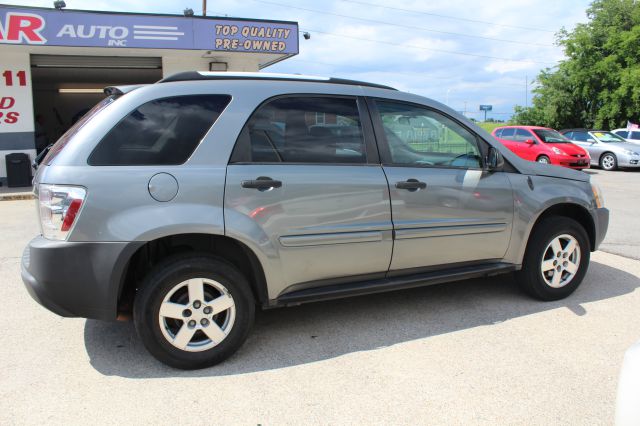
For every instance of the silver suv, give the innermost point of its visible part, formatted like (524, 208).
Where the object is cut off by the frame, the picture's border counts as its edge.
(187, 203)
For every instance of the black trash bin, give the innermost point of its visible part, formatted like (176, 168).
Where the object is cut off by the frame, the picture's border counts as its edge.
(18, 169)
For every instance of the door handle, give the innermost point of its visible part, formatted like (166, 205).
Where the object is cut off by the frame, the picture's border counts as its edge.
(411, 185)
(262, 183)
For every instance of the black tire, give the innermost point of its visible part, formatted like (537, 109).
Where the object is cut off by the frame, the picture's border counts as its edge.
(543, 159)
(608, 165)
(530, 276)
(162, 279)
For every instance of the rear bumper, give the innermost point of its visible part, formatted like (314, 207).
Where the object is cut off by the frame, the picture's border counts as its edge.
(75, 279)
(602, 224)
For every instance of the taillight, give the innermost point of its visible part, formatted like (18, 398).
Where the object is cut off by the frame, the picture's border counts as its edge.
(59, 207)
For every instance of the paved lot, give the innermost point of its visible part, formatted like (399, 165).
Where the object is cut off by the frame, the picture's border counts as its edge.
(472, 352)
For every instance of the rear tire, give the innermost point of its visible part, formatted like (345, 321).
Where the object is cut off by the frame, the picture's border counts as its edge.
(543, 159)
(193, 311)
(609, 161)
(544, 274)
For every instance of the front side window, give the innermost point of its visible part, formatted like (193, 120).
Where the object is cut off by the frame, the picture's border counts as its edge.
(161, 132)
(622, 133)
(303, 129)
(635, 135)
(418, 136)
(522, 135)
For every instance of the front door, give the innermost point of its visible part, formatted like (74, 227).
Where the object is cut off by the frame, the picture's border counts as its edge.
(305, 180)
(447, 209)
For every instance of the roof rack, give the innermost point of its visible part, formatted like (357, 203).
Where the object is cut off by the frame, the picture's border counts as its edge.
(208, 75)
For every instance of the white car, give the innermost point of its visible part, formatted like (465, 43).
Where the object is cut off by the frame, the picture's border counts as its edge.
(627, 403)
(630, 135)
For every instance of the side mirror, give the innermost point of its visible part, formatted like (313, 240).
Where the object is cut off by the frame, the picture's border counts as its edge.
(529, 142)
(494, 159)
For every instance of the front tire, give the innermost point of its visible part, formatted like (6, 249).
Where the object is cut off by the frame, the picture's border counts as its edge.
(543, 159)
(608, 161)
(556, 259)
(193, 311)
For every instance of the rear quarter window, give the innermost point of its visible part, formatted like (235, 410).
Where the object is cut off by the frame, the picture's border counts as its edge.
(161, 132)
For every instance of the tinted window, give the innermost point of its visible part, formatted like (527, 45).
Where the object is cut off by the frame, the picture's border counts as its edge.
(579, 136)
(635, 135)
(160, 132)
(498, 133)
(421, 137)
(622, 133)
(303, 130)
(508, 133)
(522, 135)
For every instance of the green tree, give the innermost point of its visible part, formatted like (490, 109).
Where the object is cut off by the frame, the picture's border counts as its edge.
(598, 84)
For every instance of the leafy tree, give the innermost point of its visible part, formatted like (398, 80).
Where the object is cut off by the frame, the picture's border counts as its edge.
(598, 84)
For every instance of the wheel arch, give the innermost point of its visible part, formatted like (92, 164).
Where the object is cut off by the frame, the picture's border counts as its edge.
(154, 251)
(573, 211)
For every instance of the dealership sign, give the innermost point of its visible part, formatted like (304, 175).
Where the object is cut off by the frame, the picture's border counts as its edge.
(93, 29)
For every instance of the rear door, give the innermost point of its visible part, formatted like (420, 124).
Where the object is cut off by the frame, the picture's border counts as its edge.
(305, 179)
(446, 208)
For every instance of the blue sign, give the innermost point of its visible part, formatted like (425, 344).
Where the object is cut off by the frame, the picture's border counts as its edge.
(486, 107)
(95, 29)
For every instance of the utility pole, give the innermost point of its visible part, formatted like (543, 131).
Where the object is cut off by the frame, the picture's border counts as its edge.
(204, 7)
(526, 90)
(465, 108)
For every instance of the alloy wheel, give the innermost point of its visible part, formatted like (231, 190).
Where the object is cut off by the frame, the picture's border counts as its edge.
(560, 261)
(197, 314)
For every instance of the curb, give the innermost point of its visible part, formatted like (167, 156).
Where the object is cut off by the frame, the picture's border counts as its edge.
(14, 197)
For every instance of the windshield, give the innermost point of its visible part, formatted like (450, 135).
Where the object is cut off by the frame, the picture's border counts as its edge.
(66, 137)
(607, 137)
(550, 136)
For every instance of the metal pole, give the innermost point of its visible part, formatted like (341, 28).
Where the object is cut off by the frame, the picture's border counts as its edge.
(526, 91)
(204, 7)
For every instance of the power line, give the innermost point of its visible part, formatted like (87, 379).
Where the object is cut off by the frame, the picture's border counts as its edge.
(411, 27)
(452, 80)
(390, 43)
(448, 16)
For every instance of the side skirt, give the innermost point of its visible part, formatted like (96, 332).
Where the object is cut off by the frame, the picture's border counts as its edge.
(358, 288)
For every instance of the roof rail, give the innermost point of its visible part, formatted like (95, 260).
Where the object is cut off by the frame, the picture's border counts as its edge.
(208, 75)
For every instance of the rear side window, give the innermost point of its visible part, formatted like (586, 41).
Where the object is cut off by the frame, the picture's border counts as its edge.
(634, 135)
(508, 133)
(161, 132)
(307, 129)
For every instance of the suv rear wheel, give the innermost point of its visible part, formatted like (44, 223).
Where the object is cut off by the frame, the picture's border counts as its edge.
(193, 311)
(556, 259)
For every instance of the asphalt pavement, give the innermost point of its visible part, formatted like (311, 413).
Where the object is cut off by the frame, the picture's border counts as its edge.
(477, 352)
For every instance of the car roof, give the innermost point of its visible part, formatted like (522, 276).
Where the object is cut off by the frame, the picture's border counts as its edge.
(211, 75)
(524, 127)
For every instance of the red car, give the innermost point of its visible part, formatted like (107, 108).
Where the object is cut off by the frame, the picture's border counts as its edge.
(543, 145)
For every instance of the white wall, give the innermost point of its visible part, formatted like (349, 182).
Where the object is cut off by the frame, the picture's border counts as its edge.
(17, 104)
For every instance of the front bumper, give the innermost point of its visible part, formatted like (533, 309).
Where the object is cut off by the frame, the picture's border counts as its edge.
(76, 279)
(628, 161)
(602, 224)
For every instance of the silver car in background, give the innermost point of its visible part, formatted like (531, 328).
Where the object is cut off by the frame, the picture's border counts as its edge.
(606, 149)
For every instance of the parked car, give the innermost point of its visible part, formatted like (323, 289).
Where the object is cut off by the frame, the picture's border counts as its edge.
(627, 407)
(187, 202)
(632, 135)
(606, 149)
(543, 145)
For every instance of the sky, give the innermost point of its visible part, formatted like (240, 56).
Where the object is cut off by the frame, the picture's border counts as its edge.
(460, 52)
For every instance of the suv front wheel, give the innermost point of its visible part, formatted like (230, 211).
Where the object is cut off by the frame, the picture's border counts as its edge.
(193, 311)
(556, 259)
